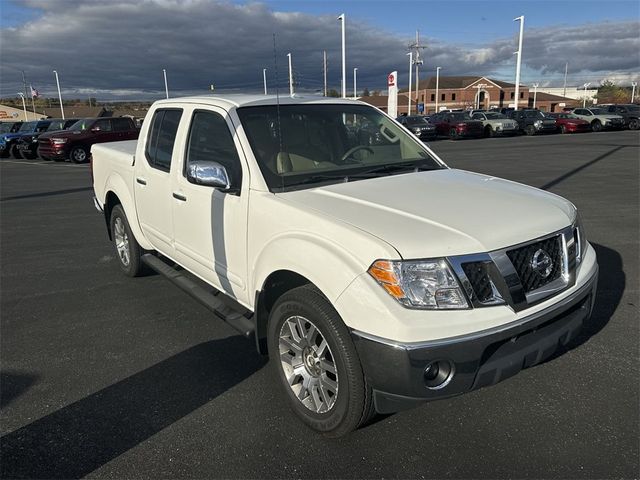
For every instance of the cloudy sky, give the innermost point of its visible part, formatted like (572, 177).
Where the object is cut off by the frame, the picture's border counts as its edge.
(116, 49)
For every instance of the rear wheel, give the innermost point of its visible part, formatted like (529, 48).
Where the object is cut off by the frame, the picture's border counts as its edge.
(316, 363)
(530, 130)
(634, 124)
(596, 126)
(79, 154)
(453, 134)
(15, 153)
(128, 251)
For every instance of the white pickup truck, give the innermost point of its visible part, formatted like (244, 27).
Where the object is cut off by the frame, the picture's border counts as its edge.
(373, 275)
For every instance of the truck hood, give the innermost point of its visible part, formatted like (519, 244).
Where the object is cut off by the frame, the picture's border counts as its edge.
(63, 134)
(442, 212)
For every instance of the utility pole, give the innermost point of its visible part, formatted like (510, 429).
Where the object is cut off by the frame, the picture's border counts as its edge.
(584, 100)
(519, 60)
(410, 70)
(166, 85)
(24, 83)
(264, 79)
(324, 70)
(33, 103)
(417, 61)
(24, 106)
(633, 90)
(290, 75)
(437, 85)
(535, 93)
(566, 70)
(344, 58)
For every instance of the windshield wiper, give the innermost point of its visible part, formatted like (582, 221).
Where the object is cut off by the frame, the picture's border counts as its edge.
(393, 168)
(321, 178)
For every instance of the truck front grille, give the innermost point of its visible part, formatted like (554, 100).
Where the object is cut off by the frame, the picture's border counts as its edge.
(478, 276)
(523, 260)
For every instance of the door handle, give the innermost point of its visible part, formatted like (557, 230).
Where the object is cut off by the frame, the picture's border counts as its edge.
(141, 181)
(180, 197)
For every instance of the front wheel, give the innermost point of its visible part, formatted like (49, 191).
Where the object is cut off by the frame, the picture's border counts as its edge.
(128, 251)
(563, 129)
(15, 153)
(317, 364)
(530, 130)
(453, 134)
(79, 154)
(596, 126)
(634, 124)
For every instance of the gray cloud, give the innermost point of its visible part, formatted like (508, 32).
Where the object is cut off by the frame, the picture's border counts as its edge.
(119, 48)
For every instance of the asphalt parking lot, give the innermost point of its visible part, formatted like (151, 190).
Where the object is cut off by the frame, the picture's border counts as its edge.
(111, 377)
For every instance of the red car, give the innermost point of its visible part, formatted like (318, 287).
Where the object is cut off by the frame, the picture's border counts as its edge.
(568, 123)
(456, 125)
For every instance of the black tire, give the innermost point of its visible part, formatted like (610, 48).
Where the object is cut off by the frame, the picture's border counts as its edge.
(563, 129)
(530, 130)
(30, 154)
(488, 131)
(4, 153)
(634, 124)
(134, 267)
(352, 404)
(453, 134)
(79, 154)
(15, 153)
(596, 126)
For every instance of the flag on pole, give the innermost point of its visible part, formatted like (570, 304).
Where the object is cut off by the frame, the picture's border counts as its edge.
(34, 92)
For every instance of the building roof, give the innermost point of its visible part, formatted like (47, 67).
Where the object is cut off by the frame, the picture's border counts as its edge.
(547, 97)
(459, 82)
(77, 112)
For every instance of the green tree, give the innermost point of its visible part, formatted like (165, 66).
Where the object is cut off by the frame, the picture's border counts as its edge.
(365, 92)
(333, 93)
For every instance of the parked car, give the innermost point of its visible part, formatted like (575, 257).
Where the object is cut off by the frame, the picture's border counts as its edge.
(600, 119)
(457, 125)
(27, 145)
(496, 123)
(419, 126)
(630, 112)
(75, 143)
(9, 127)
(532, 121)
(569, 123)
(8, 141)
(373, 284)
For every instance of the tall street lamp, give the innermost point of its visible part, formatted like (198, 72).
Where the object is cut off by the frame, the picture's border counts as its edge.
(633, 90)
(342, 19)
(290, 75)
(59, 94)
(166, 85)
(535, 93)
(264, 79)
(355, 78)
(410, 70)
(519, 60)
(437, 85)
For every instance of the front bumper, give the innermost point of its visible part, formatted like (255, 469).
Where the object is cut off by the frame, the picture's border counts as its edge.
(396, 370)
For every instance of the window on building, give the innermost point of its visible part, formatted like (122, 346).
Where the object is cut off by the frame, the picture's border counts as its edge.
(453, 97)
(162, 136)
(513, 95)
(521, 94)
(442, 97)
(433, 97)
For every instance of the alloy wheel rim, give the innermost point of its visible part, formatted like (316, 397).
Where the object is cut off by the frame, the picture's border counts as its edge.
(308, 364)
(79, 155)
(122, 241)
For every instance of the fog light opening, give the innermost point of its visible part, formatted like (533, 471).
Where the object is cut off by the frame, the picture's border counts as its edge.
(438, 374)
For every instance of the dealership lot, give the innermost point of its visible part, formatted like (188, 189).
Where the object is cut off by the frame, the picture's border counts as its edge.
(108, 376)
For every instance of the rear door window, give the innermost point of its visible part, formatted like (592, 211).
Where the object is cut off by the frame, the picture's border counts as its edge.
(103, 125)
(162, 137)
(121, 124)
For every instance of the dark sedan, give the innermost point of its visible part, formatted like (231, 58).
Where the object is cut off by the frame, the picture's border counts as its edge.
(419, 126)
(457, 125)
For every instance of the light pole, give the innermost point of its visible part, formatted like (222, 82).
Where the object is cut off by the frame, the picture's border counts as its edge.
(290, 75)
(24, 105)
(344, 58)
(584, 100)
(410, 71)
(59, 95)
(633, 90)
(355, 79)
(264, 79)
(437, 85)
(166, 85)
(535, 93)
(519, 60)
(566, 70)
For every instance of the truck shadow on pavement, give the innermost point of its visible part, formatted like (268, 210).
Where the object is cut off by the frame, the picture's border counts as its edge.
(83, 436)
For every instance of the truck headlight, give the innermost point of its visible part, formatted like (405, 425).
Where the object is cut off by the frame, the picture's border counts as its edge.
(538, 123)
(425, 284)
(58, 141)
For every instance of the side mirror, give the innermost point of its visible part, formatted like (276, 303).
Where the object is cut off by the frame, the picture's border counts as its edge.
(211, 174)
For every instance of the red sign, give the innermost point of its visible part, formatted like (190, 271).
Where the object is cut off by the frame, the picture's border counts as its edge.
(391, 80)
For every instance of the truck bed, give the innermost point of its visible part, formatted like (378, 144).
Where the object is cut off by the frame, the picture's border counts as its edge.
(109, 160)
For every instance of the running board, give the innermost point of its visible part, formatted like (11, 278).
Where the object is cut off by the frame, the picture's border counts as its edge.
(230, 315)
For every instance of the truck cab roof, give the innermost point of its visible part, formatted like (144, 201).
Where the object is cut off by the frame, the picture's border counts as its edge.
(246, 100)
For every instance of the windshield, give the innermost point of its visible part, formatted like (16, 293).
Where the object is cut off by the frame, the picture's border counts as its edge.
(535, 114)
(633, 108)
(598, 111)
(5, 127)
(28, 127)
(460, 117)
(56, 125)
(494, 115)
(416, 120)
(308, 144)
(83, 124)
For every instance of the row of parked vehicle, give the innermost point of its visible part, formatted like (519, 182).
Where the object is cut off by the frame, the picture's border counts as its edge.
(59, 140)
(507, 121)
